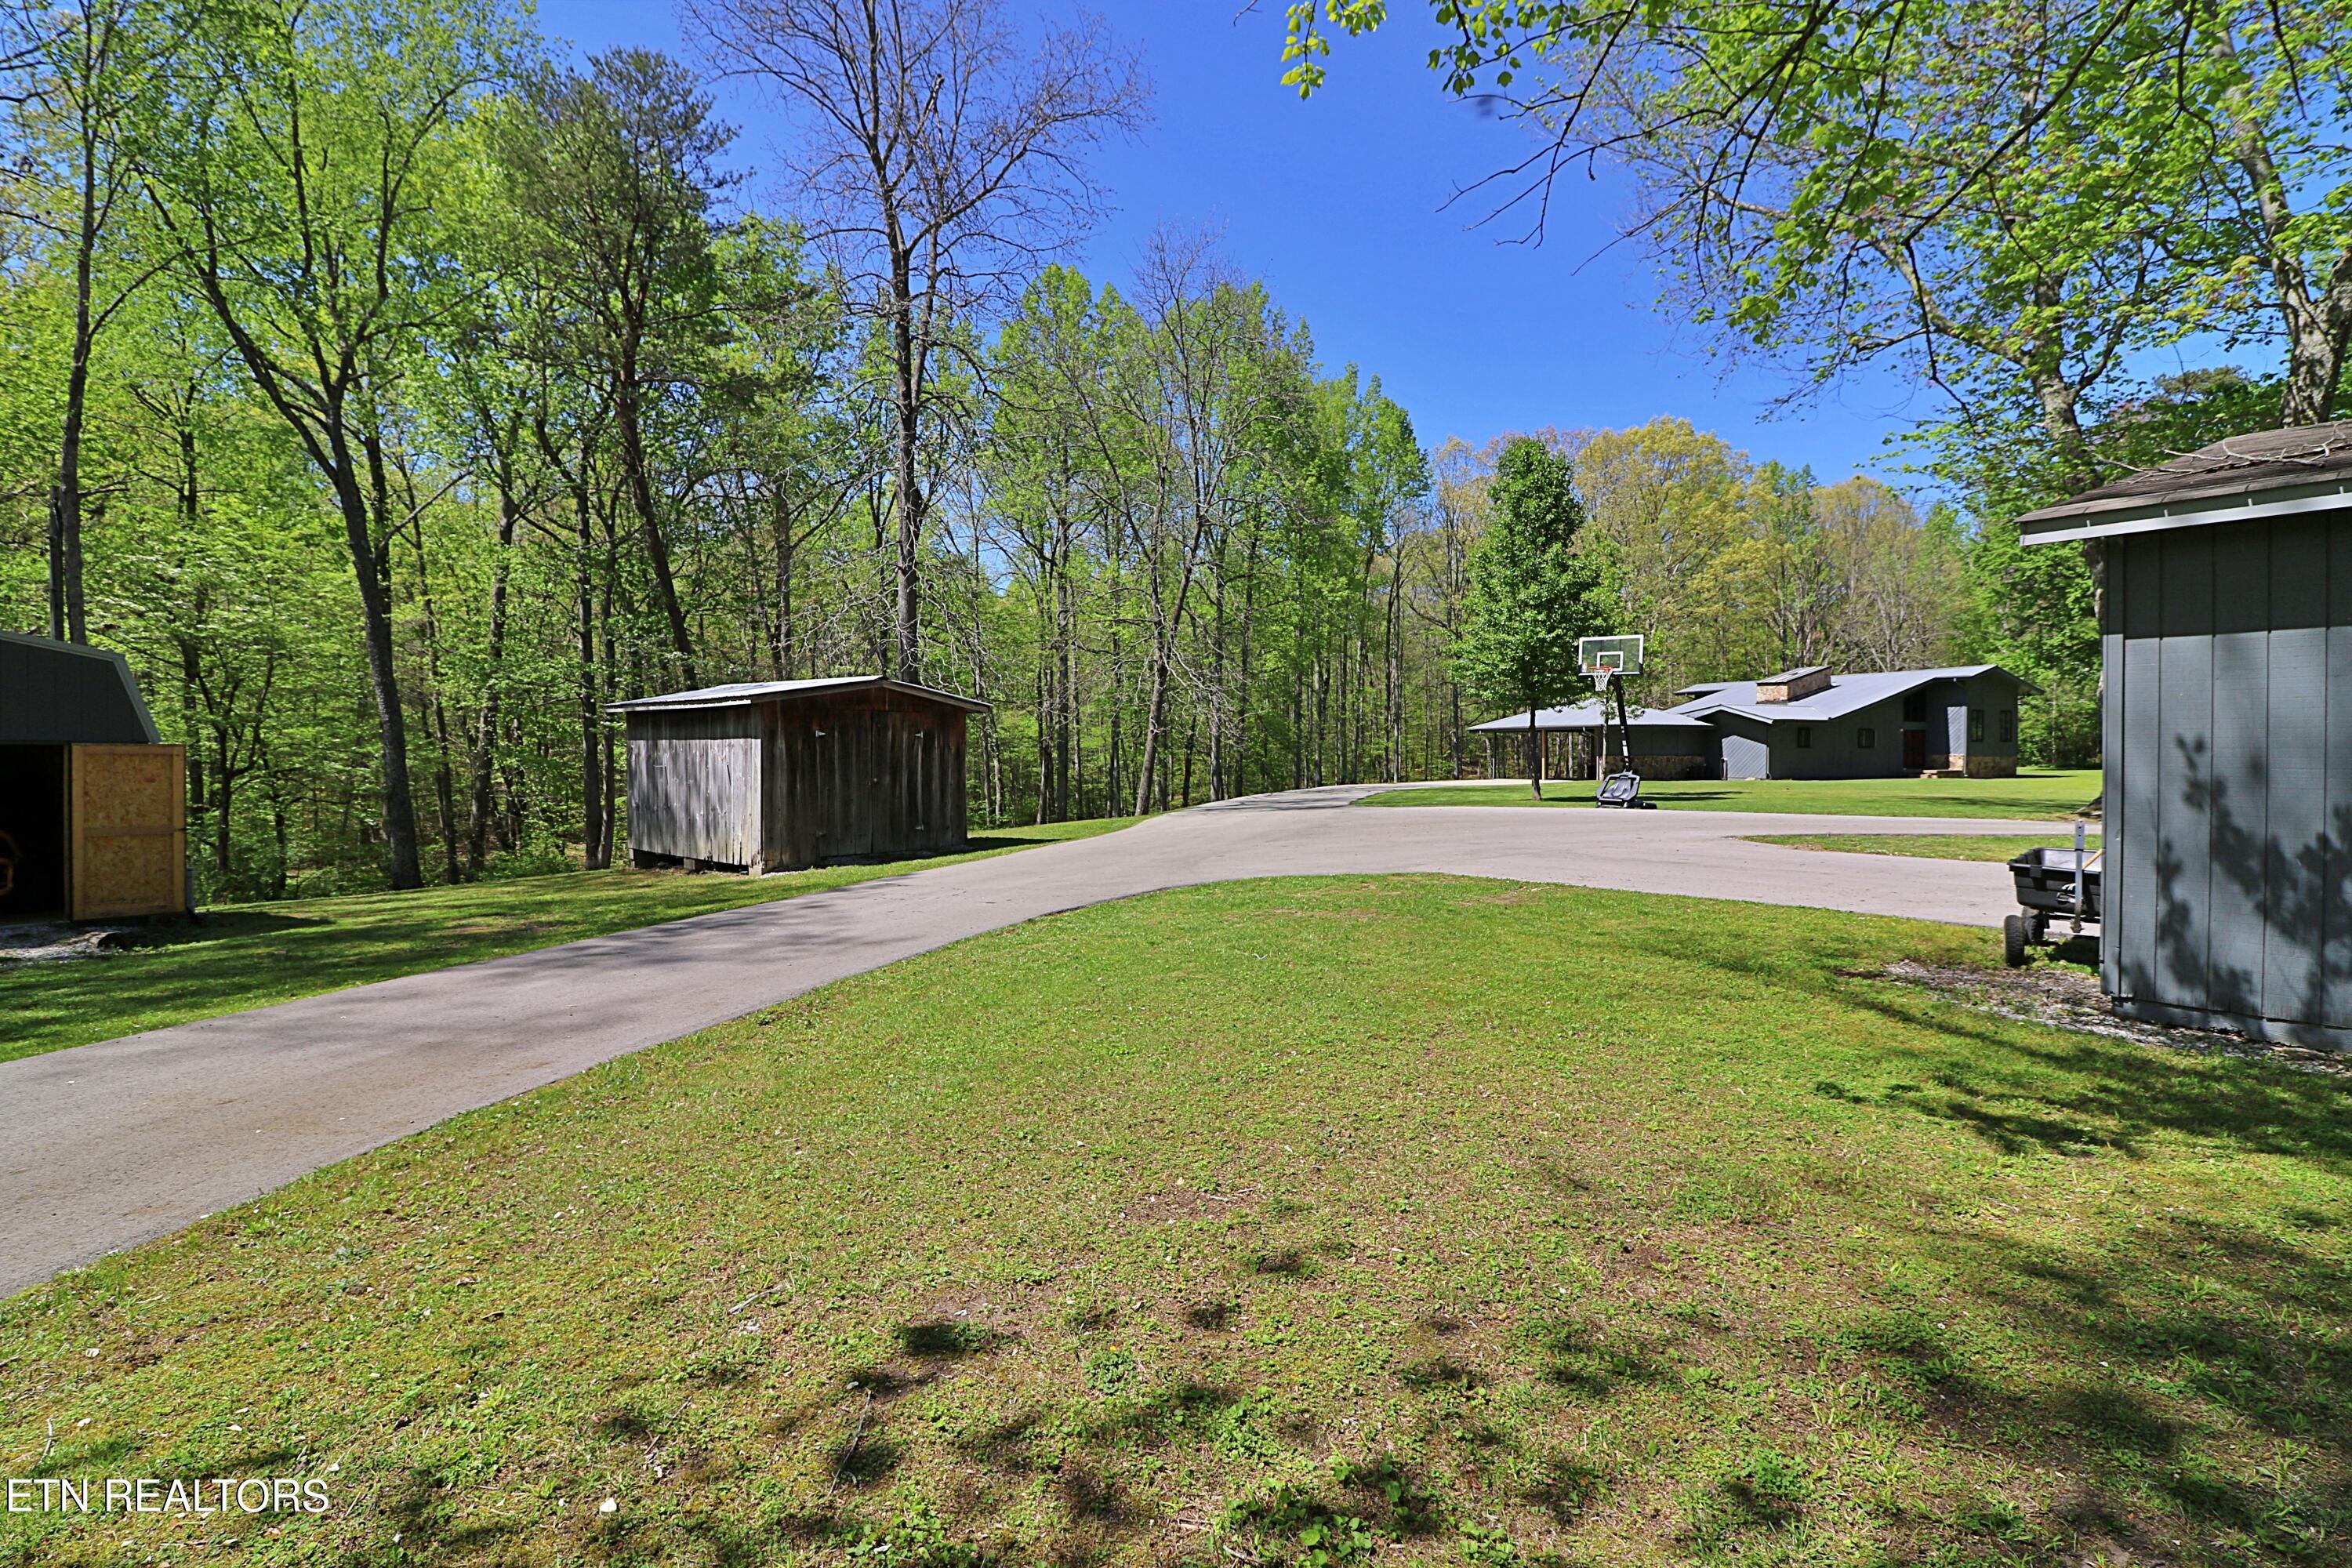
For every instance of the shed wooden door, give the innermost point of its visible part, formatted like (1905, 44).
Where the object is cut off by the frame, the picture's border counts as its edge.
(1915, 750)
(126, 807)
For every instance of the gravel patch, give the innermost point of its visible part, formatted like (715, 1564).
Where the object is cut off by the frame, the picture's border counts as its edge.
(43, 943)
(2069, 999)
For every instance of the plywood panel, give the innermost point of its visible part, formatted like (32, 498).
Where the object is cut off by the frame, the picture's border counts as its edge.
(127, 811)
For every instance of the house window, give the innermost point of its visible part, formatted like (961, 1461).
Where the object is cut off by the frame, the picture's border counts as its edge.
(1804, 737)
(1915, 707)
(1865, 738)
(1976, 724)
(2009, 726)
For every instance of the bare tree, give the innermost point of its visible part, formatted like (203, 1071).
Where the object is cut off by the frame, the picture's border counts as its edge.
(942, 150)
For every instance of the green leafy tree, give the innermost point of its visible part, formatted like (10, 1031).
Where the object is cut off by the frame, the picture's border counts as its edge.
(614, 173)
(1532, 593)
(296, 169)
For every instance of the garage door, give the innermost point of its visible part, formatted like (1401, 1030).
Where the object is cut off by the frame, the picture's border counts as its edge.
(1746, 758)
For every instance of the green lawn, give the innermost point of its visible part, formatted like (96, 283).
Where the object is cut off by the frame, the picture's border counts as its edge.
(2038, 792)
(253, 954)
(1927, 846)
(1314, 1222)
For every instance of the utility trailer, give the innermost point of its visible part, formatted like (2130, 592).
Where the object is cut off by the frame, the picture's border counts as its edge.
(2052, 884)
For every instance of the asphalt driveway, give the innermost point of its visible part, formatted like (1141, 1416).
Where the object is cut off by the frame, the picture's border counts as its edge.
(105, 1145)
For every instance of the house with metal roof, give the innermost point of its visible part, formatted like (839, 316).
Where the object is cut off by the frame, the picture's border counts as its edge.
(773, 776)
(2226, 637)
(1811, 724)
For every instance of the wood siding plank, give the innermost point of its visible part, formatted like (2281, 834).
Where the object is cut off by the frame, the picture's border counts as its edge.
(2184, 868)
(2237, 785)
(2294, 752)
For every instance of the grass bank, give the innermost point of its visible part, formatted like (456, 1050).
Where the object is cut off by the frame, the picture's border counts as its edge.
(250, 956)
(2055, 793)
(1927, 846)
(1302, 1222)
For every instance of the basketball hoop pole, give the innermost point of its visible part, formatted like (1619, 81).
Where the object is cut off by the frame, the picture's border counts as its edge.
(1609, 660)
(1603, 676)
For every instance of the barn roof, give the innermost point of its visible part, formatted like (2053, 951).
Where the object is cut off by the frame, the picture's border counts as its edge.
(2268, 473)
(60, 693)
(1587, 716)
(1844, 694)
(746, 692)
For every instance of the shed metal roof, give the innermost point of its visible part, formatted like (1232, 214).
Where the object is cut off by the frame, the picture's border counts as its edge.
(1844, 694)
(2266, 473)
(743, 693)
(68, 692)
(1587, 716)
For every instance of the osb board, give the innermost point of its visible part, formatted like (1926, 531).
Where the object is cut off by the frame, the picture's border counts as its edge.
(127, 810)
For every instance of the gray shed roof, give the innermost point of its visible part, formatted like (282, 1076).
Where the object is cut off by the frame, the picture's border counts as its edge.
(2266, 473)
(1587, 716)
(743, 693)
(61, 693)
(1844, 694)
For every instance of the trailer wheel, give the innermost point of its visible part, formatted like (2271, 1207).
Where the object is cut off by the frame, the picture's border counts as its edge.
(2014, 940)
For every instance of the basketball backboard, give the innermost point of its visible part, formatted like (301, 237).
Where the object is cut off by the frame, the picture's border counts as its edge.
(1609, 656)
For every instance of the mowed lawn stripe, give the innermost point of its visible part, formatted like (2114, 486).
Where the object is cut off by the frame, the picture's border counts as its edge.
(1448, 1220)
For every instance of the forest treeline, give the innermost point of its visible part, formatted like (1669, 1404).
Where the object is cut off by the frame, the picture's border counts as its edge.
(396, 397)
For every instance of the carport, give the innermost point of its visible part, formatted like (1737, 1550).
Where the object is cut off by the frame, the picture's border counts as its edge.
(1663, 745)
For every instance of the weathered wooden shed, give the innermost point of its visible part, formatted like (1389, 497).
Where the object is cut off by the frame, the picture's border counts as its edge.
(2226, 632)
(780, 775)
(93, 807)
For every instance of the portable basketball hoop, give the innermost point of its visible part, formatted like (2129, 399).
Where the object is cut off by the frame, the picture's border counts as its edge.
(1606, 660)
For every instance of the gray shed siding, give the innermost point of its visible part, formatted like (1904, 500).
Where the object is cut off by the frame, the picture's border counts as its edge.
(778, 782)
(694, 784)
(2229, 774)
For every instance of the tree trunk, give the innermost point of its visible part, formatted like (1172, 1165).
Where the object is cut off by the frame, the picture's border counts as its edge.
(371, 568)
(907, 405)
(1534, 752)
(477, 826)
(638, 480)
(68, 620)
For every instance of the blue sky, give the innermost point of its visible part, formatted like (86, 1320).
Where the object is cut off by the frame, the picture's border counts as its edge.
(1336, 203)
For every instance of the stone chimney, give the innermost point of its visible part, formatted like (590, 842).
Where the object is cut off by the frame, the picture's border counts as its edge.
(1793, 685)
